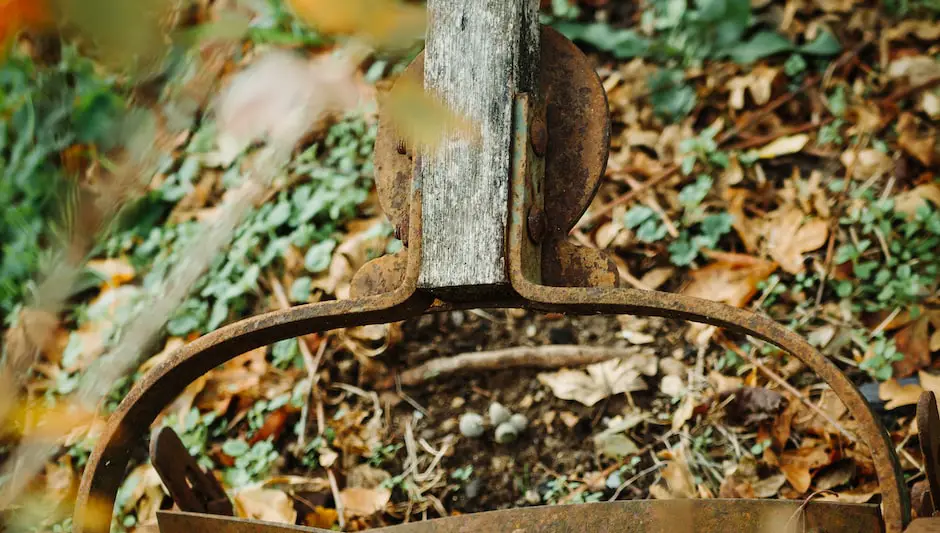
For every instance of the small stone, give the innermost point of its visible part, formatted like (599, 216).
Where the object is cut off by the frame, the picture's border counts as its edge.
(457, 403)
(532, 497)
(472, 489)
(506, 433)
(449, 425)
(471, 425)
(498, 413)
(519, 421)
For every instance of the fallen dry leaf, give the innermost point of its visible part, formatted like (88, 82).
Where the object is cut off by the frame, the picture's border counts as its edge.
(914, 342)
(759, 82)
(270, 505)
(145, 495)
(788, 235)
(896, 395)
(733, 279)
(745, 482)
(601, 380)
(783, 146)
(684, 412)
(797, 465)
(679, 481)
(752, 405)
(917, 140)
(909, 202)
(917, 69)
(358, 501)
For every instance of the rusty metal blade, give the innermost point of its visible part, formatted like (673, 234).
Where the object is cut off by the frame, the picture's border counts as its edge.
(647, 516)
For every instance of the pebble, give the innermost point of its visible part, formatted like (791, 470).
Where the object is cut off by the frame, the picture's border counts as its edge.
(457, 403)
(471, 425)
(472, 489)
(532, 497)
(449, 425)
(519, 421)
(498, 413)
(506, 433)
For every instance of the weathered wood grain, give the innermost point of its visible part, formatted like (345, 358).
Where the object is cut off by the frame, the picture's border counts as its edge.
(479, 54)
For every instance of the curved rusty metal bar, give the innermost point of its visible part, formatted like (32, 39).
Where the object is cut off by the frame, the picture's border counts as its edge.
(643, 516)
(108, 462)
(151, 394)
(598, 300)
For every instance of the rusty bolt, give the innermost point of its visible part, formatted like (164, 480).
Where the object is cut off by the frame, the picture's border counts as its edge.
(401, 232)
(536, 224)
(539, 136)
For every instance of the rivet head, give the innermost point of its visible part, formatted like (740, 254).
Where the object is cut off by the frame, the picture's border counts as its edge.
(536, 224)
(539, 136)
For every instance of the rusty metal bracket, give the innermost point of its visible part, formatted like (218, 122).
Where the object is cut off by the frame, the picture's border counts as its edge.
(191, 488)
(928, 430)
(553, 179)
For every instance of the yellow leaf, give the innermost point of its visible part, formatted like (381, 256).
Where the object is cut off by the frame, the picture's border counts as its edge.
(358, 501)
(789, 236)
(783, 146)
(269, 505)
(422, 119)
(383, 22)
(116, 272)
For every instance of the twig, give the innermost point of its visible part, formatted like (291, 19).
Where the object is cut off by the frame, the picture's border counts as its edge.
(632, 480)
(834, 222)
(553, 356)
(727, 343)
(337, 499)
(310, 363)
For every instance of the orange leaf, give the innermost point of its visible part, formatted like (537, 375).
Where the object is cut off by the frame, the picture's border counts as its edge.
(797, 464)
(732, 279)
(17, 15)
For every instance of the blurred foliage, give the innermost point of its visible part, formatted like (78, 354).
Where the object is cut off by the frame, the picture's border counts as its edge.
(44, 109)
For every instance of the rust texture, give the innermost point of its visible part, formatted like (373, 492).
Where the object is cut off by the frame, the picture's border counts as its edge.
(552, 275)
(191, 488)
(649, 516)
(928, 429)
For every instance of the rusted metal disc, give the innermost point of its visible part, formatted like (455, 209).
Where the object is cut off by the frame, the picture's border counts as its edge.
(578, 138)
(578, 131)
(646, 516)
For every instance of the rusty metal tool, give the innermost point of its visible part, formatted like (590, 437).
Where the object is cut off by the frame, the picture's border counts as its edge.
(192, 489)
(556, 145)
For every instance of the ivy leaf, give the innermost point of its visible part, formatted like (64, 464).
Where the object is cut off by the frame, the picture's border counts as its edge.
(651, 231)
(671, 97)
(637, 215)
(300, 290)
(764, 44)
(235, 447)
(620, 42)
(682, 252)
(319, 255)
(692, 195)
(825, 44)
